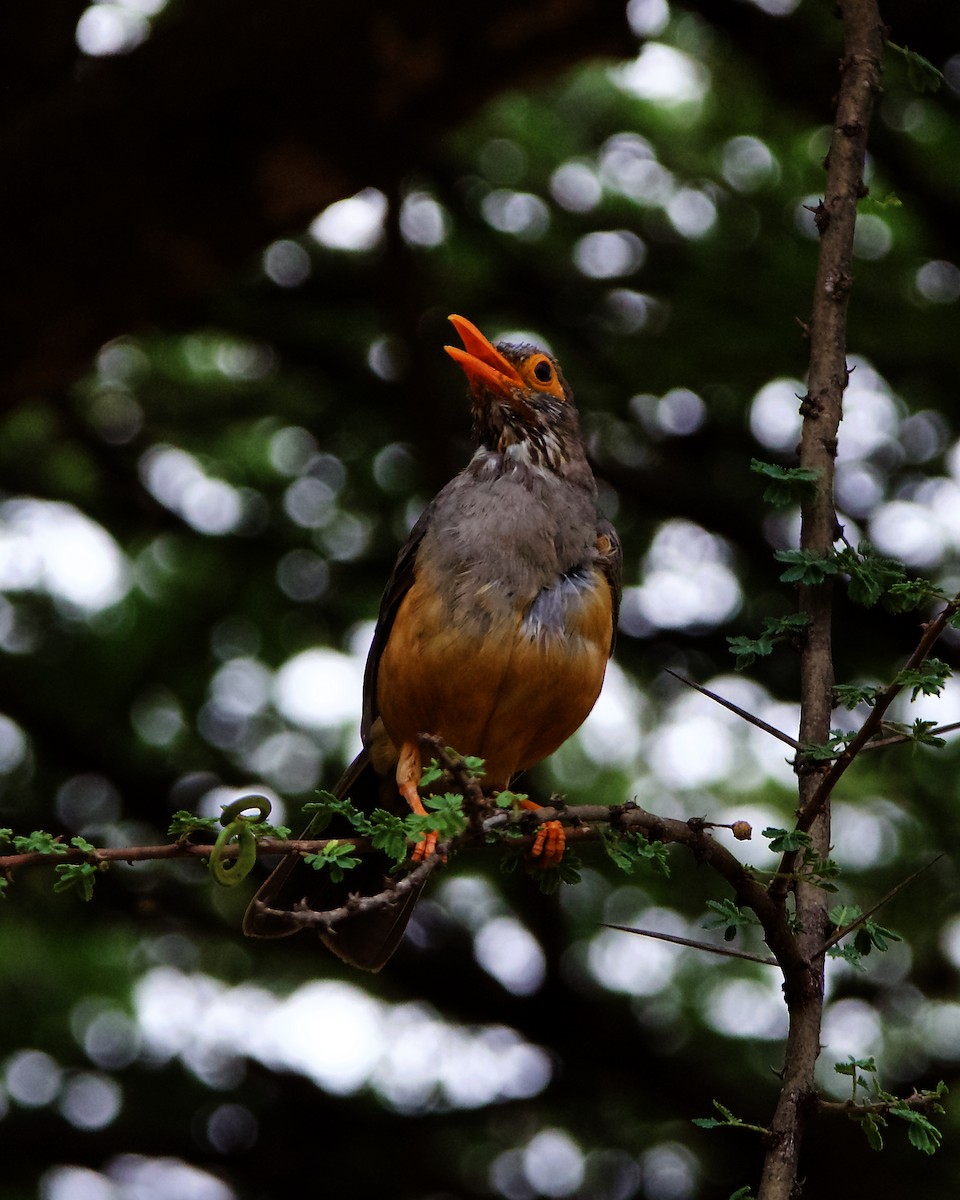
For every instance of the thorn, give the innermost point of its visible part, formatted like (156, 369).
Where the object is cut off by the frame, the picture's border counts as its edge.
(741, 712)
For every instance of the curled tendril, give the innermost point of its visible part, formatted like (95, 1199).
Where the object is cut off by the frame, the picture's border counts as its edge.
(236, 826)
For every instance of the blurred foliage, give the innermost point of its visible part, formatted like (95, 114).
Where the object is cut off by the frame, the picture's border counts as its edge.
(192, 544)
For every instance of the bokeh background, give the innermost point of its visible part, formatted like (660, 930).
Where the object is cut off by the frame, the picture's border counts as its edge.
(231, 234)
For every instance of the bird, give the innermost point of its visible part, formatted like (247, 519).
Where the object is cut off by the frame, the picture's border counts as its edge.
(494, 631)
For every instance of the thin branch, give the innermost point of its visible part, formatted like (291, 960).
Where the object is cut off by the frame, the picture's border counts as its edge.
(897, 739)
(708, 947)
(734, 708)
(931, 635)
(921, 1102)
(304, 917)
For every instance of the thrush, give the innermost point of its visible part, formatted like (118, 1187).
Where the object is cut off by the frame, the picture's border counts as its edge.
(494, 630)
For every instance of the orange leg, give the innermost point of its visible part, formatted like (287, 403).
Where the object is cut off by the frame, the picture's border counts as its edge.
(550, 842)
(409, 769)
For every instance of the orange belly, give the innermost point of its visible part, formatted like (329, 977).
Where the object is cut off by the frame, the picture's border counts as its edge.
(492, 687)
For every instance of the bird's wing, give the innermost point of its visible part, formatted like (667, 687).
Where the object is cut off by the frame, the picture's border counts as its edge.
(401, 578)
(610, 562)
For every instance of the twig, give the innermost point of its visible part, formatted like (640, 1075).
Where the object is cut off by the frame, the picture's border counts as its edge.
(897, 739)
(931, 634)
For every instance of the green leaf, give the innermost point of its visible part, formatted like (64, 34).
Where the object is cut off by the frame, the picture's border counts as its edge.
(844, 914)
(922, 75)
(79, 876)
(729, 916)
(743, 1193)
(852, 694)
(911, 594)
(549, 879)
(923, 1134)
(839, 740)
(431, 773)
(853, 1065)
(81, 843)
(871, 1130)
(184, 823)
(784, 841)
(773, 630)
(871, 574)
(444, 816)
(339, 857)
(748, 650)
(890, 200)
(787, 485)
(807, 566)
(510, 799)
(39, 842)
(631, 853)
(848, 954)
(388, 834)
(926, 680)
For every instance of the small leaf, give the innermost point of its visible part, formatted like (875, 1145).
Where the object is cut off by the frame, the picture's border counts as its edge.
(787, 485)
(784, 841)
(39, 842)
(78, 876)
(387, 834)
(337, 856)
(871, 1131)
(183, 823)
(923, 1134)
(807, 566)
(852, 694)
(911, 594)
(926, 680)
(844, 914)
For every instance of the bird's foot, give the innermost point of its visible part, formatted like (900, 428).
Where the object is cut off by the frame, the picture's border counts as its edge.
(408, 777)
(549, 844)
(425, 848)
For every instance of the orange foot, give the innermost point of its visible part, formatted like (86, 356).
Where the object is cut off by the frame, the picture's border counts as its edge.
(550, 842)
(408, 777)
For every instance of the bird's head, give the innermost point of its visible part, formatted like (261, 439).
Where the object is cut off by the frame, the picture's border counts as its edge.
(520, 398)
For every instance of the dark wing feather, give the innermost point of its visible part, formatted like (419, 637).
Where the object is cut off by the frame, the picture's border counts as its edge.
(401, 578)
(366, 939)
(610, 563)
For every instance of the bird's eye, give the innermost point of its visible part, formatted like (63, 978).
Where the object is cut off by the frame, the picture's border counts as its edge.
(543, 371)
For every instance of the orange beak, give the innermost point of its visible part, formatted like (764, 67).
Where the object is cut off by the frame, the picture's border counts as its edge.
(482, 363)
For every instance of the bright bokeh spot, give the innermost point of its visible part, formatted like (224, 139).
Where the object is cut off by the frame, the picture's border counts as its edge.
(320, 688)
(663, 74)
(46, 545)
(354, 224)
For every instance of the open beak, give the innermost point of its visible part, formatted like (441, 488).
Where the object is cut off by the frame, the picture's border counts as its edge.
(482, 363)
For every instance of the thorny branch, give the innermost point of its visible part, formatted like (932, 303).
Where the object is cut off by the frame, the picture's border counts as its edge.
(821, 410)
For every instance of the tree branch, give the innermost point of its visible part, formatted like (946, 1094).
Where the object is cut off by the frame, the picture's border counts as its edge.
(821, 410)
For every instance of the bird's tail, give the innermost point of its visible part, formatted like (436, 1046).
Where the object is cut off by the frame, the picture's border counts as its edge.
(364, 939)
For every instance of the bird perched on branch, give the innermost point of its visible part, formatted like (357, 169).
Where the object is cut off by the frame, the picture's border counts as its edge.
(494, 630)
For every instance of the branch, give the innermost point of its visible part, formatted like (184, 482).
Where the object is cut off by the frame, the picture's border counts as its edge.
(821, 410)
(873, 723)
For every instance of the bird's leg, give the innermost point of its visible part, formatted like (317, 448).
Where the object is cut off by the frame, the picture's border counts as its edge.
(409, 769)
(550, 842)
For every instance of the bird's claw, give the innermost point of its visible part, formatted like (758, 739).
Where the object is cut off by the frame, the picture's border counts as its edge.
(549, 844)
(425, 848)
